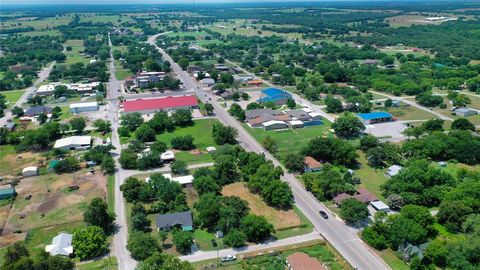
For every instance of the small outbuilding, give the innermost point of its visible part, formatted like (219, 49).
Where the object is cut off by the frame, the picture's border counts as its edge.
(167, 156)
(30, 171)
(296, 124)
(393, 170)
(7, 192)
(61, 245)
(465, 112)
(185, 180)
(211, 149)
(380, 206)
(311, 164)
(83, 107)
(207, 82)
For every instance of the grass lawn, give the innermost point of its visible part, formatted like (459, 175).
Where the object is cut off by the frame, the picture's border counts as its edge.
(12, 96)
(120, 72)
(51, 33)
(37, 239)
(392, 260)
(109, 263)
(371, 178)
(406, 112)
(204, 240)
(66, 114)
(111, 192)
(285, 138)
(74, 56)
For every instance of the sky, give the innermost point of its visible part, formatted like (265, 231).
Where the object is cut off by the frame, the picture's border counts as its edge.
(144, 1)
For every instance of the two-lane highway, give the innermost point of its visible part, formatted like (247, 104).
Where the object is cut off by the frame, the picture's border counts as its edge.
(352, 248)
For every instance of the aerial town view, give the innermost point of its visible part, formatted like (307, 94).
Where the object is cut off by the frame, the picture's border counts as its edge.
(239, 135)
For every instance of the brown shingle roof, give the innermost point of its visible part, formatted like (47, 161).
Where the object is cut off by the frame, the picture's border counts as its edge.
(301, 261)
(362, 195)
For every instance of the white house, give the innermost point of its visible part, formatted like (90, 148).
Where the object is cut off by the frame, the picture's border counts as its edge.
(30, 171)
(83, 107)
(207, 82)
(61, 245)
(74, 142)
(182, 180)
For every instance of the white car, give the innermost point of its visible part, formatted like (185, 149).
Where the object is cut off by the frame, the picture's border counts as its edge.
(229, 258)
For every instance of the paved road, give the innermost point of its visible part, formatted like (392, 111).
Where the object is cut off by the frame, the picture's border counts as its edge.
(119, 248)
(165, 169)
(414, 104)
(336, 232)
(42, 75)
(206, 255)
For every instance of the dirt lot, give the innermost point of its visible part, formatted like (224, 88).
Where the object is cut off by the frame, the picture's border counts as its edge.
(52, 203)
(13, 163)
(279, 218)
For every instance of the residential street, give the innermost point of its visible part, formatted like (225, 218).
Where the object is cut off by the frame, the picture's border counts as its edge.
(119, 247)
(206, 255)
(42, 76)
(342, 238)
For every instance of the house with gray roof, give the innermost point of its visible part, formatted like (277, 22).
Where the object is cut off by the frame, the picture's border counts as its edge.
(34, 111)
(171, 220)
(61, 245)
(259, 112)
(299, 115)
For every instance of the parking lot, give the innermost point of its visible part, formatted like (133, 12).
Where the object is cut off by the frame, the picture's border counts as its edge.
(391, 131)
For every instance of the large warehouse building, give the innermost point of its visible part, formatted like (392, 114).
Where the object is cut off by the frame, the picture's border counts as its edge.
(154, 105)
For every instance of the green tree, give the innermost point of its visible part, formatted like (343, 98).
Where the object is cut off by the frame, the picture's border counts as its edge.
(67, 165)
(208, 209)
(78, 124)
(128, 159)
(102, 125)
(183, 241)
(132, 120)
(97, 214)
(158, 147)
(270, 144)
(145, 133)
(17, 111)
(256, 228)
(348, 126)
(334, 105)
(183, 62)
(235, 239)
(209, 108)
(182, 117)
(161, 122)
(179, 167)
(294, 162)
(225, 170)
(462, 124)
(291, 104)
(14, 252)
(183, 142)
(89, 242)
(353, 211)
(42, 118)
(224, 134)
(162, 235)
(108, 165)
(206, 184)
(159, 261)
(142, 245)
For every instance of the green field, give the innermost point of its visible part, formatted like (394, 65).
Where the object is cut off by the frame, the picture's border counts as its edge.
(285, 138)
(371, 178)
(120, 72)
(109, 263)
(111, 192)
(74, 56)
(37, 239)
(103, 18)
(201, 132)
(38, 24)
(12, 96)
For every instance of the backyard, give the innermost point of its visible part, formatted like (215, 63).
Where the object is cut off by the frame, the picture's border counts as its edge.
(12, 96)
(284, 138)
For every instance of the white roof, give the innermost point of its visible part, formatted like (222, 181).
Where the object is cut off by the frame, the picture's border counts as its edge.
(207, 81)
(314, 114)
(167, 155)
(273, 122)
(84, 105)
(182, 180)
(379, 205)
(61, 245)
(394, 169)
(29, 169)
(307, 110)
(73, 140)
(211, 149)
(47, 87)
(296, 122)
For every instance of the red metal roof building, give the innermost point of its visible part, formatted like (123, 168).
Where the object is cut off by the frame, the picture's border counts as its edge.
(160, 104)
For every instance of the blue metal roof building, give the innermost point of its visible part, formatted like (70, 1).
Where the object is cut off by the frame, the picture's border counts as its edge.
(275, 95)
(375, 117)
